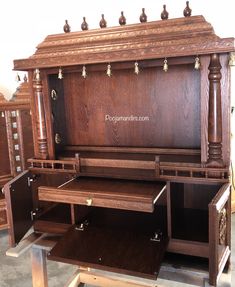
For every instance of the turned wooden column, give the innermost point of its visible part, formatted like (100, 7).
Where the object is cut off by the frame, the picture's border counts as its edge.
(40, 116)
(214, 114)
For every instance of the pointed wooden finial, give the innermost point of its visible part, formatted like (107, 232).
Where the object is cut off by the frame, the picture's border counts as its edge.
(164, 14)
(25, 78)
(66, 27)
(187, 10)
(143, 16)
(122, 19)
(84, 25)
(103, 23)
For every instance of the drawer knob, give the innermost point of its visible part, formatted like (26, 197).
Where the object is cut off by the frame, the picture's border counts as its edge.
(89, 202)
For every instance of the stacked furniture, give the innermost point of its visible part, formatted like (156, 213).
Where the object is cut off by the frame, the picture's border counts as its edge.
(131, 129)
(16, 140)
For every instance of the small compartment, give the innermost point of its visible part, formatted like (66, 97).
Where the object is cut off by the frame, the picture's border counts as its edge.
(114, 240)
(110, 193)
(189, 210)
(54, 219)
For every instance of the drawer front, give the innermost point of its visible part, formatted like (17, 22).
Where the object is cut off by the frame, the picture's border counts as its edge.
(94, 200)
(110, 193)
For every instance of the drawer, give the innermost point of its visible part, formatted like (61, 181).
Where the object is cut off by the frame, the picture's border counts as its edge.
(111, 193)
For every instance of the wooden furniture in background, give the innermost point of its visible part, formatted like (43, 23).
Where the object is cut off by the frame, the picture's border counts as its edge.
(233, 189)
(16, 141)
(131, 130)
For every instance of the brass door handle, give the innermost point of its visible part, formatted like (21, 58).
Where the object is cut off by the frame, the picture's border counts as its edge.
(89, 201)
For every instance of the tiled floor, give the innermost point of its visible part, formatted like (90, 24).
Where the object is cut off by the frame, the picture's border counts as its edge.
(17, 271)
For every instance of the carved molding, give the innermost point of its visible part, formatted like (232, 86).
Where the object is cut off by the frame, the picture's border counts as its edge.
(158, 39)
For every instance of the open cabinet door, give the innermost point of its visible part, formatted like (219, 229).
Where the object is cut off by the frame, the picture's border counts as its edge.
(219, 233)
(19, 206)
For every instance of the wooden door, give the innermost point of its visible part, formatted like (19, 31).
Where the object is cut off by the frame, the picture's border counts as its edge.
(19, 206)
(219, 232)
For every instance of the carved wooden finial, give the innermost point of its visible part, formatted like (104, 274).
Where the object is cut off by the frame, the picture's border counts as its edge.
(103, 23)
(18, 78)
(187, 10)
(84, 25)
(143, 16)
(122, 19)
(164, 14)
(66, 27)
(25, 78)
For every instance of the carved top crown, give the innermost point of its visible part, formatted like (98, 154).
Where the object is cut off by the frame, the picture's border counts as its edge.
(2, 99)
(158, 39)
(20, 99)
(22, 94)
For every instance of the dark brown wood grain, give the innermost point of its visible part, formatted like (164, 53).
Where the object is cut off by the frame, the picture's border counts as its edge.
(19, 206)
(215, 114)
(219, 253)
(137, 96)
(40, 117)
(108, 246)
(112, 193)
(184, 142)
(57, 105)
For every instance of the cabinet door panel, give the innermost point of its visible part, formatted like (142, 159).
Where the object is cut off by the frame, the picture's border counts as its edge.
(19, 206)
(219, 232)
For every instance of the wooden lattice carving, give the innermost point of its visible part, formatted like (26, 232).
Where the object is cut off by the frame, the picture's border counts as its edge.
(222, 226)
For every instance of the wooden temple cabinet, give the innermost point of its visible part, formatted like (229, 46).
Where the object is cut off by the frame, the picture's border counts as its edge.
(16, 142)
(131, 129)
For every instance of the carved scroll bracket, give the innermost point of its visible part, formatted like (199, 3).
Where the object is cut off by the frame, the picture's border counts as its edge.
(214, 114)
(40, 116)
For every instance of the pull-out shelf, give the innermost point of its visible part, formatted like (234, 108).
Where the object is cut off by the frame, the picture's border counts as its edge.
(110, 193)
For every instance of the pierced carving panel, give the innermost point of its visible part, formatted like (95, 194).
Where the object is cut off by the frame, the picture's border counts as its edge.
(222, 226)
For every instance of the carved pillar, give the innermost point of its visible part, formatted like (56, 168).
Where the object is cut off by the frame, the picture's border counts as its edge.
(40, 116)
(214, 114)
